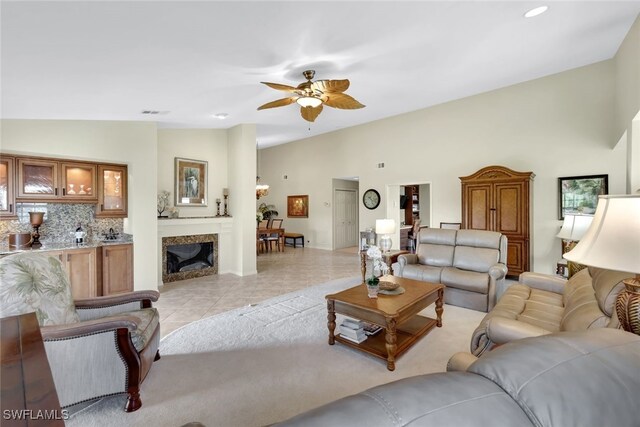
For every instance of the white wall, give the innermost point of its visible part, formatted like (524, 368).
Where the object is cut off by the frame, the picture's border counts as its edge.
(561, 125)
(209, 145)
(133, 143)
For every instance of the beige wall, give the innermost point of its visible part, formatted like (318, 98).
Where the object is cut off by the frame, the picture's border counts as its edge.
(627, 106)
(561, 125)
(209, 145)
(133, 143)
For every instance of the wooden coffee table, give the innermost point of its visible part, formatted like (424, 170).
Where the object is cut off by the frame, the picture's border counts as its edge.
(398, 314)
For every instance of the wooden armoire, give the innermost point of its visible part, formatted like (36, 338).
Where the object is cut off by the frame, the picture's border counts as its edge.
(500, 199)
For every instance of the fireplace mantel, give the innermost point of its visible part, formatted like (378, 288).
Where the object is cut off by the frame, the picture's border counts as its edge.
(222, 226)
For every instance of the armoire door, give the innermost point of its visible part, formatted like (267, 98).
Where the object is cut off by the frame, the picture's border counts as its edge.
(477, 213)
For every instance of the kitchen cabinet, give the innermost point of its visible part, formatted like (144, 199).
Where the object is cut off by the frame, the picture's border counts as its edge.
(78, 181)
(7, 188)
(37, 179)
(56, 181)
(82, 269)
(112, 191)
(117, 269)
(499, 199)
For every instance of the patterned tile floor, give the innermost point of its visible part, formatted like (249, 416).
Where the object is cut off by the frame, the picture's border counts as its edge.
(278, 273)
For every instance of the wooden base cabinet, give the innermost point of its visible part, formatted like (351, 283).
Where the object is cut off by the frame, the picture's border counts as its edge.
(499, 199)
(98, 271)
(117, 269)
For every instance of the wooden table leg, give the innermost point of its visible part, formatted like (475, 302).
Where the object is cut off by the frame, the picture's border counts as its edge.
(331, 317)
(363, 264)
(439, 309)
(391, 340)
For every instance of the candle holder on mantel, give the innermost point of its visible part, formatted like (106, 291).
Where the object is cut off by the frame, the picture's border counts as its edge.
(36, 218)
(225, 194)
(218, 208)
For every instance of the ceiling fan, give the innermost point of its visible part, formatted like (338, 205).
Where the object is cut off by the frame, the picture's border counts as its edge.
(311, 96)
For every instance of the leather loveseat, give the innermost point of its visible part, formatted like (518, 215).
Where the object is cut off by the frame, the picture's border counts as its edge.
(541, 304)
(586, 379)
(470, 263)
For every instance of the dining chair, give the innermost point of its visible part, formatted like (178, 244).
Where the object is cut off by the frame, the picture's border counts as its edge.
(276, 224)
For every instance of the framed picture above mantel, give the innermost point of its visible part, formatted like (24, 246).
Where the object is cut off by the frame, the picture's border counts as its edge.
(190, 182)
(579, 194)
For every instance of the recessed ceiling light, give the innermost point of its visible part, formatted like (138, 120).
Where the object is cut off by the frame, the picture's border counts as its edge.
(536, 11)
(221, 116)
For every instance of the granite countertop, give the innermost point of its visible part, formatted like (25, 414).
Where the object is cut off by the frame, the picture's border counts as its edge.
(59, 246)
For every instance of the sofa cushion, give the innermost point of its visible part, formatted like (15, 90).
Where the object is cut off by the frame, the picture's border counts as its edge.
(466, 280)
(607, 284)
(475, 259)
(147, 320)
(478, 239)
(543, 315)
(36, 283)
(578, 281)
(436, 255)
(425, 273)
(437, 236)
(554, 378)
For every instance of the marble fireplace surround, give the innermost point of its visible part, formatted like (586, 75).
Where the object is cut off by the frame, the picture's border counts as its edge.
(188, 227)
(168, 276)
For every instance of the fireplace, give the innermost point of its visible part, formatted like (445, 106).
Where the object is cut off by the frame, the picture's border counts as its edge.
(186, 257)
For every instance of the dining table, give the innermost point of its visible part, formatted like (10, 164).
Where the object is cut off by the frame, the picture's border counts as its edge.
(261, 233)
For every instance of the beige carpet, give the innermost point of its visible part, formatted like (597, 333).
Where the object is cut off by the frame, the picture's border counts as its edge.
(261, 364)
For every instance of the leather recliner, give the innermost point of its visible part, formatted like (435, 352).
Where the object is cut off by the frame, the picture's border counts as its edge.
(523, 383)
(470, 263)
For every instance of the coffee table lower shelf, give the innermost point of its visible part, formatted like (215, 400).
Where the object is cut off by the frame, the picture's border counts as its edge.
(406, 334)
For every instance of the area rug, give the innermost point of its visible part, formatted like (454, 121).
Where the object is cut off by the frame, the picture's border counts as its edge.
(261, 364)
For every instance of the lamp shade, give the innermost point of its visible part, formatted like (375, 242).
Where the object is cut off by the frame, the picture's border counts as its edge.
(574, 227)
(385, 226)
(613, 239)
(309, 101)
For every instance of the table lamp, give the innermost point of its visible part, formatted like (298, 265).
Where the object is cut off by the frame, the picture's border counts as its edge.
(385, 227)
(613, 242)
(573, 228)
(36, 219)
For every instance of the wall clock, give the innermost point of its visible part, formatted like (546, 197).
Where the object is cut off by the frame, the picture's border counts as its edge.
(371, 199)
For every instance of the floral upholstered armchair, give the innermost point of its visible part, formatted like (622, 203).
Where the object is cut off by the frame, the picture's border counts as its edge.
(96, 347)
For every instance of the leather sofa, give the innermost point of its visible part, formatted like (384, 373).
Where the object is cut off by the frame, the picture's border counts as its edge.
(541, 304)
(585, 379)
(470, 263)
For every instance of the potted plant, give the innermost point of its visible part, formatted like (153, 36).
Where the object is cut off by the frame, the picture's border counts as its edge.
(268, 211)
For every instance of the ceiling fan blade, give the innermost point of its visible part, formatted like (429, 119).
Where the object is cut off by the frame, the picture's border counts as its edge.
(342, 101)
(310, 113)
(331, 85)
(278, 86)
(279, 103)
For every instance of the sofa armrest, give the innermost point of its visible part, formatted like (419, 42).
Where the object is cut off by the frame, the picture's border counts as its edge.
(544, 282)
(111, 300)
(498, 271)
(501, 330)
(57, 332)
(407, 259)
(460, 361)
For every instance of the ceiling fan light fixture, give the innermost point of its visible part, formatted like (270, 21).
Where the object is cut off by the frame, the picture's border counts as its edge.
(309, 101)
(536, 11)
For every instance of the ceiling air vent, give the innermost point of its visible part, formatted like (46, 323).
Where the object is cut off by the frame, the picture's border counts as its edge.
(154, 112)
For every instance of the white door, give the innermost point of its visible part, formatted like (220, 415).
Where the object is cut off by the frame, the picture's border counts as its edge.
(346, 218)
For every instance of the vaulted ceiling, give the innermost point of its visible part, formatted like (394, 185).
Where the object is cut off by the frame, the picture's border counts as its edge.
(101, 60)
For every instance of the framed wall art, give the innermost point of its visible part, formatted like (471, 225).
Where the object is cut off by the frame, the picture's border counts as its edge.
(191, 182)
(579, 194)
(298, 206)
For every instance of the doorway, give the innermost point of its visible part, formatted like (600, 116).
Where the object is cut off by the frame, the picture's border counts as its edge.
(345, 218)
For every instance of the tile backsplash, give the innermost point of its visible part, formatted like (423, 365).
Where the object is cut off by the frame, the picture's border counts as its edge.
(60, 221)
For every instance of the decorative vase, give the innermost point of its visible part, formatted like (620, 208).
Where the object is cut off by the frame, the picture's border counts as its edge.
(372, 290)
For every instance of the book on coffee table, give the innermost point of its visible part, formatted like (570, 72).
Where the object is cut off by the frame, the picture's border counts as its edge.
(354, 340)
(371, 328)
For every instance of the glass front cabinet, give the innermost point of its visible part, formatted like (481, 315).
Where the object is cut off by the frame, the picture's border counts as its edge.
(112, 191)
(7, 187)
(78, 181)
(37, 179)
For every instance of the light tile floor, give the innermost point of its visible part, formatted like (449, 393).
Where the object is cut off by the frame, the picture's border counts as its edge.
(186, 301)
